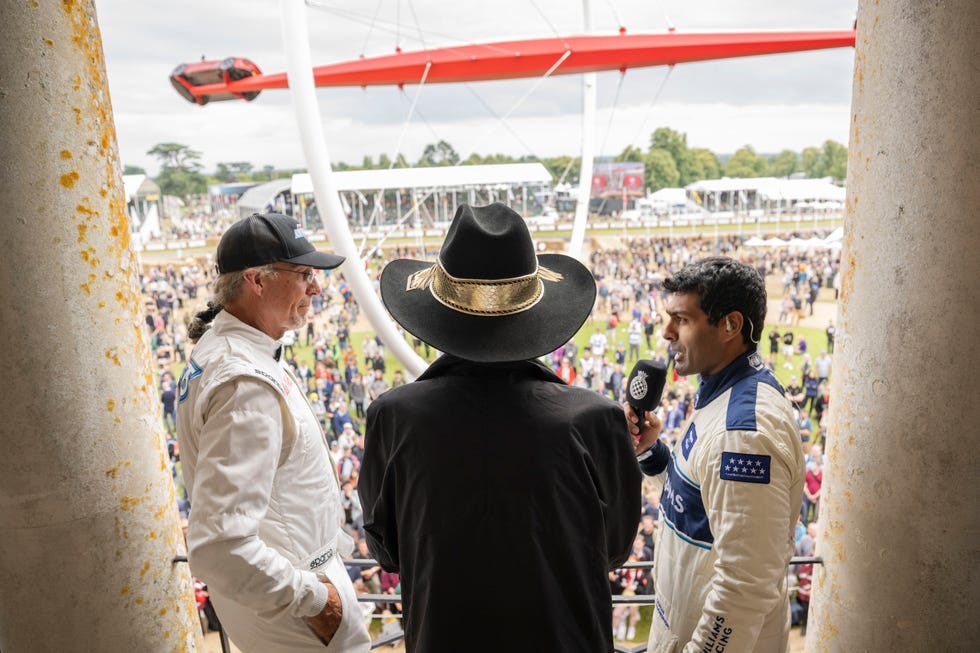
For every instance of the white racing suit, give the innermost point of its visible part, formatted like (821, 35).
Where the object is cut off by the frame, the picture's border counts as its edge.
(731, 499)
(264, 525)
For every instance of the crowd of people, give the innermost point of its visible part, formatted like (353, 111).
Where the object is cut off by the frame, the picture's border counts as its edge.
(341, 378)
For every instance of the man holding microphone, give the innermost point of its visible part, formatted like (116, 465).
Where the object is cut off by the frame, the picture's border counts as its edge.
(733, 482)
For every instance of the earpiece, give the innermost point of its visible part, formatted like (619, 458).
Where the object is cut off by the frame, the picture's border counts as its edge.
(728, 325)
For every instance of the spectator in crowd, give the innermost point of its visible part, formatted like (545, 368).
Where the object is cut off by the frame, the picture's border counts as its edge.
(348, 465)
(357, 394)
(630, 582)
(398, 380)
(634, 336)
(651, 506)
(546, 465)
(598, 343)
(378, 385)
(822, 402)
(811, 491)
(340, 418)
(366, 572)
(566, 372)
(806, 547)
(822, 366)
(588, 365)
(248, 443)
(774, 339)
(648, 531)
(811, 388)
(794, 392)
(168, 398)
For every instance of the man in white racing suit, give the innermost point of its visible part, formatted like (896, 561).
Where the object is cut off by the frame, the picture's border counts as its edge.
(264, 525)
(733, 482)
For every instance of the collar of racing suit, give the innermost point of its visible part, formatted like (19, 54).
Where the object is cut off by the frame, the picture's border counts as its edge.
(713, 385)
(225, 324)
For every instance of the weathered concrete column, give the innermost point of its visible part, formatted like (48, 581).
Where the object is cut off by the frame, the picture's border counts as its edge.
(88, 523)
(901, 508)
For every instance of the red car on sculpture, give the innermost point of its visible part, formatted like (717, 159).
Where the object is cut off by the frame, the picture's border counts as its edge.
(204, 73)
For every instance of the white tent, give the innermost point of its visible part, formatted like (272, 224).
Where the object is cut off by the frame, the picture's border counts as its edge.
(836, 236)
(436, 177)
(262, 198)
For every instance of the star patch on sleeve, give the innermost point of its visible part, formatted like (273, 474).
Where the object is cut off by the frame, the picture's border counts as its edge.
(745, 467)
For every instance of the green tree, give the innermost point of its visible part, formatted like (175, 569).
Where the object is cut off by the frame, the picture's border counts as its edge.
(812, 163)
(564, 169)
(223, 174)
(835, 156)
(181, 183)
(707, 162)
(241, 170)
(674, 142)
(830, 160)
(784, 164)
(133, 170)
(630, 154)
(180, 170)
(660, 170)
(439, 154)
(176, 156)
(746, 163)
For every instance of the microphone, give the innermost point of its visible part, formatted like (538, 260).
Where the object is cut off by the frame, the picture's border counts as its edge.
(643, 393)
(646, 386)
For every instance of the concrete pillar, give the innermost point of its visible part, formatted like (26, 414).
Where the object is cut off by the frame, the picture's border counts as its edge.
(88, 522)
(899, 515)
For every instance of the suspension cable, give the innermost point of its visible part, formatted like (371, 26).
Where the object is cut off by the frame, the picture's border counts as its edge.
(612, 113)
(403, 218)
(507, 126)
(425, 121)
(545, 18)
(398, 24)
(670, 23)
(417, 26)
(390, 27)
(411, 110)
(612, 8)
(374, 20)
(653, 101)
(524, 97)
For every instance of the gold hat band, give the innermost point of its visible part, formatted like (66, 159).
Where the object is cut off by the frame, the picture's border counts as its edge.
(483, 296)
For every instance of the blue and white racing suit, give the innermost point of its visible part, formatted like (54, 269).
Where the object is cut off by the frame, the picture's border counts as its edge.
(731, 499)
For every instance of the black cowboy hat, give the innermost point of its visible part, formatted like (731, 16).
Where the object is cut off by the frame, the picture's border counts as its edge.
(489, 298)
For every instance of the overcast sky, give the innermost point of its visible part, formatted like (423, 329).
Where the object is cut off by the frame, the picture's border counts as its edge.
(771, 102)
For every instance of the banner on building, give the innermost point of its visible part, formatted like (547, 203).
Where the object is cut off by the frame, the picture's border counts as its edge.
(617, 178)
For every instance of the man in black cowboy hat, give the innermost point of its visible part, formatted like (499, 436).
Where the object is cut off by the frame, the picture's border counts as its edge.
(501, 495)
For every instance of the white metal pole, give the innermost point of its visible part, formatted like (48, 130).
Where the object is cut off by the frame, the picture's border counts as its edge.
(588, 143)
(300, 74)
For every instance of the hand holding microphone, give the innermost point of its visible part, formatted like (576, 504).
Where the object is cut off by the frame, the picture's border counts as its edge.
(643, 392)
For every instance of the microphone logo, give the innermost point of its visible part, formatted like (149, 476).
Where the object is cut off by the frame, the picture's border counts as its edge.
(638, 386)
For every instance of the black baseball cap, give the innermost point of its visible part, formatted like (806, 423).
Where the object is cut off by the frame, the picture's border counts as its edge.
(263, 238)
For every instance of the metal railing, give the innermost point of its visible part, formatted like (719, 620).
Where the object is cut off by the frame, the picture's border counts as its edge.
(639, 599)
